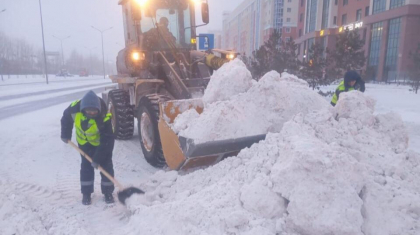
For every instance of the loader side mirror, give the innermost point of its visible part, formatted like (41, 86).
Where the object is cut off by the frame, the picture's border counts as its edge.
(205, 12)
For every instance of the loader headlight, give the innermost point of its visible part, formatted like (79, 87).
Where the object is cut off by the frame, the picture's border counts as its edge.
(230, 56)
(137, 56)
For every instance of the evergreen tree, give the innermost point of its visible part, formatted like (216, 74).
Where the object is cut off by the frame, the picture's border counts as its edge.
(286, 59)
(415, 69)
(313, 69)
(264, 59)
(260, 63)
(347, 55)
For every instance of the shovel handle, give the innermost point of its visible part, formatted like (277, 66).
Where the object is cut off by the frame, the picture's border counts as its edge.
(102, 170)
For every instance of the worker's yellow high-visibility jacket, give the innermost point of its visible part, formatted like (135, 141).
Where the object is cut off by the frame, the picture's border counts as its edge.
(341, 88)
(91, 135)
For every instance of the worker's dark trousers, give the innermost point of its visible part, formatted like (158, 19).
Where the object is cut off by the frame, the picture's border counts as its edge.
(87, 173)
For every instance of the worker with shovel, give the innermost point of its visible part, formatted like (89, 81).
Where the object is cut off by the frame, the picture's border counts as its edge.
(95, 137)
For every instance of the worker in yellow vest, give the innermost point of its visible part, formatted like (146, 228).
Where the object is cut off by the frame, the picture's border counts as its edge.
(352, 81)
(95, 137)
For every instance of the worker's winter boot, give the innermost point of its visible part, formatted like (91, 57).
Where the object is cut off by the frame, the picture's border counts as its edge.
(86, 199)
(109, 198)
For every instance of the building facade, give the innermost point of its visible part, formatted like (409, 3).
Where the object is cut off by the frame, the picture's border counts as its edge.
(247, 27)
(388, 27)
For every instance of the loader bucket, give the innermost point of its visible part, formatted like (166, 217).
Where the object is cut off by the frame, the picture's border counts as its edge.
(183, 153)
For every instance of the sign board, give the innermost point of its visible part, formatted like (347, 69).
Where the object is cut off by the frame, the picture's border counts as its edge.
(350, 27)
(205, 42)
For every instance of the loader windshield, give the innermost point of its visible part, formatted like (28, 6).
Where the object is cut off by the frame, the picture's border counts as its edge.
(166, 23)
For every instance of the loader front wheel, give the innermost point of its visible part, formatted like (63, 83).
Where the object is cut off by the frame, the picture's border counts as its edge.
(147, 117)
(122, 114)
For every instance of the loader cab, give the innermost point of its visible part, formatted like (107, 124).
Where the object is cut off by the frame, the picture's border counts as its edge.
(159, 24)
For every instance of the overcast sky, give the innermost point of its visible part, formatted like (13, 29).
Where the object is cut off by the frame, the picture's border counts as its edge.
(74, 18)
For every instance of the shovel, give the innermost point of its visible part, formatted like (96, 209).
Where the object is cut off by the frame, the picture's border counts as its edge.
(123, 193)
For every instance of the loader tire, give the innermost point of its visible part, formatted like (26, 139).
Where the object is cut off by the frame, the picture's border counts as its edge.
(122, 114)
(148, 117)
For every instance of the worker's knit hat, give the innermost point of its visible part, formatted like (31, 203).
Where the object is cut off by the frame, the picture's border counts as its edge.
(351, 76)
(90, 100)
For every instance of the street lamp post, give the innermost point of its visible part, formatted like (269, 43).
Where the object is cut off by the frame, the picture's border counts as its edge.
(0, 63)
(102, 36)
(43, 43)
(61, 41)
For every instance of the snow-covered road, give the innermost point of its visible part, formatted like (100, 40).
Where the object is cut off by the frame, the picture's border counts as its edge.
(39, 175)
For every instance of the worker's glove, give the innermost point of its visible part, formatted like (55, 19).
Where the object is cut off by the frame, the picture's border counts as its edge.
(95, 165)
(65, 140)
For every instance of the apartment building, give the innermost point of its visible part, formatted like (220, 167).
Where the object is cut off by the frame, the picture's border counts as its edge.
(248, 26)
(389, 28)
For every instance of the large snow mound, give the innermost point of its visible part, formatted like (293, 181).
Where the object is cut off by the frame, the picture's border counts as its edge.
(231, 79)
(263, 108)
(340, 170)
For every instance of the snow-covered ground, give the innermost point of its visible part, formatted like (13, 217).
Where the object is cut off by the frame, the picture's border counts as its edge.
(397, 99)
(249, 194)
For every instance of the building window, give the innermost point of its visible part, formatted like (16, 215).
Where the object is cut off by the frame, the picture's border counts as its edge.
(287, 39)
(301, 17)
(396, 3)
(367, 11)
(289, 0)
(378, 6)
(336, 2)
(301, 3)
(298, 49)
(325, 8)
(300, 32)
(359, 15)
(344, 19)
(335, 20)
(375, 47)
(390, 70)
(345, 2)
(287, 30)
(289, 9)
(288, 20)
(311, 15)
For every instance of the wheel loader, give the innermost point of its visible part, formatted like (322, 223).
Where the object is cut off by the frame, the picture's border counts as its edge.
(160, 75)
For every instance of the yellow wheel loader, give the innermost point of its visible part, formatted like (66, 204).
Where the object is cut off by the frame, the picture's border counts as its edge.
(160, 75)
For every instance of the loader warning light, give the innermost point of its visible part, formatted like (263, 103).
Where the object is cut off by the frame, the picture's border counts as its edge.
(231, 56)
(193, 41)
(141, 2)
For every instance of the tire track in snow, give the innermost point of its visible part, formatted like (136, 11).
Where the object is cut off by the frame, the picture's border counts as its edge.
(97, 218)
(59, 211)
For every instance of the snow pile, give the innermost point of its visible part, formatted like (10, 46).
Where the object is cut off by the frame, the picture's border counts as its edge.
(263, 108)
(325, 172)
(231, 79)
